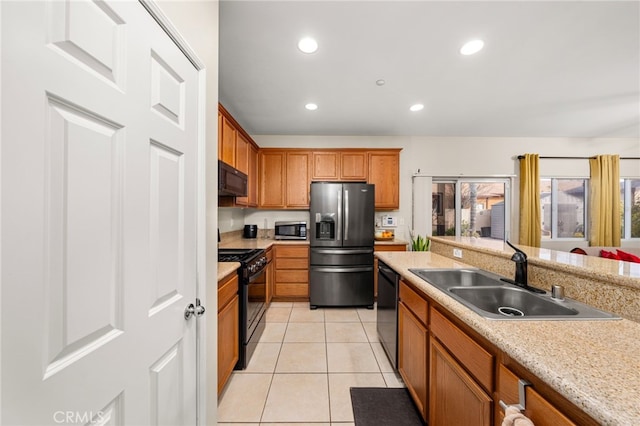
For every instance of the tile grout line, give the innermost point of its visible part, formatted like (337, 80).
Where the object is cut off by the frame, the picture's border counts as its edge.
(326, 354)
(273, 375)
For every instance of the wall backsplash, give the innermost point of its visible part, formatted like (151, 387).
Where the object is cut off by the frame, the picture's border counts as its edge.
(230, 219)
(233, 219)
(257, 217)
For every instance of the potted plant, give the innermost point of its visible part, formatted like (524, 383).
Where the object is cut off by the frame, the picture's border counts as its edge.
(419, 243)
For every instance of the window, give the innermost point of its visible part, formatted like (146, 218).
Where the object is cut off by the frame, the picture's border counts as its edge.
(562, 204)
(470, 207)
(630, 199)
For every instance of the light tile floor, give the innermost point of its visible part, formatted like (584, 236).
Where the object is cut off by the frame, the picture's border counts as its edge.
(303, 367)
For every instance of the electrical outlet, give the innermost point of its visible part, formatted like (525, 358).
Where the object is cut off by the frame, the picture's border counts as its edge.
(457, 253)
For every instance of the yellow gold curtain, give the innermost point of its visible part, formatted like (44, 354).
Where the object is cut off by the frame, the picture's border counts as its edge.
(530, 226)
(604, 201)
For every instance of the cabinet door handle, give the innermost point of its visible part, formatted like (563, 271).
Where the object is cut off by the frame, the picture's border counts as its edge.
(522, 396)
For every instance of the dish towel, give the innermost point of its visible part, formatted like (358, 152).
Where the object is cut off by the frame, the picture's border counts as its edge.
(513, 417)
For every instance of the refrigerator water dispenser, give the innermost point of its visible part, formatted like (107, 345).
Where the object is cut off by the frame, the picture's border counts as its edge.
(325, 227)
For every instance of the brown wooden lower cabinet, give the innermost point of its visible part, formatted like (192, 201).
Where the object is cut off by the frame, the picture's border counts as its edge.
(455, 397)
(413, 357)
(291, 272)
(538, 409)
(456, 377)
(228, 328)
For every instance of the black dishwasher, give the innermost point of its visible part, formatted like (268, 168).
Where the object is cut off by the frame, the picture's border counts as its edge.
(387, 313)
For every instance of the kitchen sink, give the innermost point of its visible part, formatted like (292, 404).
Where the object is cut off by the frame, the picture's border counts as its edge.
(458, 277)
(510, 302)
(486, 294)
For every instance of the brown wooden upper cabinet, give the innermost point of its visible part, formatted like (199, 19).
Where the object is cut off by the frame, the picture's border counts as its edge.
(286, 174)
(353, 165)
(342, 165)
(236, 148)
(251, 153)
(384, 172)
(297, 180)
(227, 140)
(284, 178)
(272, 166)
(326, 165)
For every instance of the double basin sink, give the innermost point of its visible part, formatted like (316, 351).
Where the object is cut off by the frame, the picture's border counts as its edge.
(491, 297)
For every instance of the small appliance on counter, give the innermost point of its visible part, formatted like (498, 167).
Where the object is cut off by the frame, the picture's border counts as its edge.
(290, 231)
(250, 231)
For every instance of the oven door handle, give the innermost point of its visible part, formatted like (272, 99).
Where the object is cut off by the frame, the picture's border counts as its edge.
(253, 277)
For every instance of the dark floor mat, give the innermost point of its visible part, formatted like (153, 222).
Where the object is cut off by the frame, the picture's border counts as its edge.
(384, 406)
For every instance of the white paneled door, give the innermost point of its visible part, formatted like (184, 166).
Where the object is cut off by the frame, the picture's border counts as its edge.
(99, 173)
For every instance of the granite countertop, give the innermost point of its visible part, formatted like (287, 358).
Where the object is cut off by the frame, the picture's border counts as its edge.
(226, 268)
(594, 364)
(256, 243)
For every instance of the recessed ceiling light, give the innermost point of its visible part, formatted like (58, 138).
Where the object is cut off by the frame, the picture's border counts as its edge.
(416, 107)
(308, 45)
(311, 107)
(380, 82)
(471, 47)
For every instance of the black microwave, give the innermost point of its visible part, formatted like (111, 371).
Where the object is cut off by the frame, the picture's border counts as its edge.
(231, 182)
(291, 230)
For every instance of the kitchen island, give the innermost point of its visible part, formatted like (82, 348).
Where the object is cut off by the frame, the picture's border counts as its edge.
(595, 365)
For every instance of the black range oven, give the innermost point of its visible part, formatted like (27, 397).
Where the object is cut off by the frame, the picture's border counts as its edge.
(252, 295)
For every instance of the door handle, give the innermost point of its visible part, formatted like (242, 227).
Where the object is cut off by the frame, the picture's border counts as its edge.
(194, 310)
(339, 224)
(341, 251)
(346, 214)
(338, 269)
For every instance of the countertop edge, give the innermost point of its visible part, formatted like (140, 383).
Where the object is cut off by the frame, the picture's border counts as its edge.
(227, 268)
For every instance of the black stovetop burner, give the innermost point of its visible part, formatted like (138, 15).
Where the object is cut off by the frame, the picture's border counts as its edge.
(237, 255)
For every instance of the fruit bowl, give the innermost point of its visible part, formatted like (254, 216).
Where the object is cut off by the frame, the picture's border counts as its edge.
(383, 235)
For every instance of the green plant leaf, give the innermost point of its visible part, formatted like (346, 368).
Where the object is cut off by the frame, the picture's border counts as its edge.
(420, 244)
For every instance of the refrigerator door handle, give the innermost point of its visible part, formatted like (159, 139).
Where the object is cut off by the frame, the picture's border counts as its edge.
(339, 224)
(346, 214)
(341, 251)
(335, 269)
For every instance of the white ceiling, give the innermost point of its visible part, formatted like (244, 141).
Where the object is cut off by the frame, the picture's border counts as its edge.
(548, 69)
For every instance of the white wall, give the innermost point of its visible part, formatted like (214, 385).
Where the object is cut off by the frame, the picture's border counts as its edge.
(197, 22)
(472, 157)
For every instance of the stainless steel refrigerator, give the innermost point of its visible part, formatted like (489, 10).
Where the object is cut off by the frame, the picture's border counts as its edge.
(341, 238)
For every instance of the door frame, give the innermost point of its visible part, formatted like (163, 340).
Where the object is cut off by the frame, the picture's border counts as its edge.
(159, 16)
(1, 209)
(201, 271)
